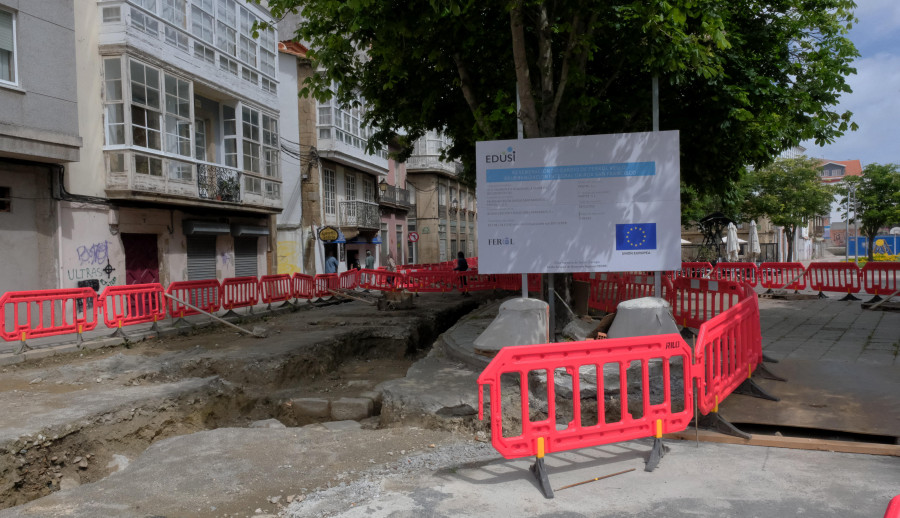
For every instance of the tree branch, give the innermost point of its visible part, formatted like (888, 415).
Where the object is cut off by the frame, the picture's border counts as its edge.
(465, 83)
(527, 112)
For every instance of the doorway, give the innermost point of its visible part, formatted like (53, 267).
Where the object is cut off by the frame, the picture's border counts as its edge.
(141, 258)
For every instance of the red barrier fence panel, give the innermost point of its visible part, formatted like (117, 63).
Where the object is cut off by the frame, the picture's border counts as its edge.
(836, 277)
(728, 349)
(326, 282)
(893, 508)
(39, 313)
(133, 304)
(240, 292)
(304, 286)
(202, 294)
(276, 288)
(604, 294)
(635, 286)
(381, 280)
(786, 276)
(694, 270)
(349, 280)
(738, 272)
(695, 301)
(473, 281)
(534, 282)
(661, 402)
(424, 281)
(881, 278)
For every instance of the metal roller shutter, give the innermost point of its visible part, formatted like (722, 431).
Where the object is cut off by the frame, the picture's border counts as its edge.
(201, 257)
(245, 257)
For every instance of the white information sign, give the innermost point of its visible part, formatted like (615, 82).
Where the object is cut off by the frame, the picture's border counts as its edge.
(594, 203)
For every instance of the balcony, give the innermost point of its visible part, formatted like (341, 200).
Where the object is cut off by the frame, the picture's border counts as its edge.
(395, 197)
(432, 163)
(142, 176)
(359, 214)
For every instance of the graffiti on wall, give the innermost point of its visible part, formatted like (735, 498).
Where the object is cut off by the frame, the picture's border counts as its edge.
(288, 257)
(83, 274)
(97, 253)
(227, 258)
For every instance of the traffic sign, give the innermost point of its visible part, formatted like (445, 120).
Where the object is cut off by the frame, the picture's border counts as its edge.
(413, 237)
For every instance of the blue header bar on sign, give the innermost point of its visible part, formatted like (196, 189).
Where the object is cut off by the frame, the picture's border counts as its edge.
(571, 172)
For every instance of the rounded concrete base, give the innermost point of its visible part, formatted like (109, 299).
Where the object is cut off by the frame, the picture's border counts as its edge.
(518, 322)
(643, 317)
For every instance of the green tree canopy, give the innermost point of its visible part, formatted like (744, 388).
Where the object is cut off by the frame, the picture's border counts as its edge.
(875, 200)
(789, 193)
(741, 79)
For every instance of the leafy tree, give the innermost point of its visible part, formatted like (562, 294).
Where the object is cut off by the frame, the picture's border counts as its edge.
(876, 200)
(788, 192)
(741, 80)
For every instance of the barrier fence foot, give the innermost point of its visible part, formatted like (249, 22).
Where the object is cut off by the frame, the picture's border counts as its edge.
(231, 313)
(768, 359)
(822, 295)
(876, 298)
(750, 388)
(539, 470)
(713, 421)
(849, 297)
(656, 454)
(763, 372)
(23, 346)
(118, 333)
(686, 333)
(182, 322)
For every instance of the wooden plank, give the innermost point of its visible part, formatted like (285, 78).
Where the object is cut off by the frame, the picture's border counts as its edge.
(797, 443)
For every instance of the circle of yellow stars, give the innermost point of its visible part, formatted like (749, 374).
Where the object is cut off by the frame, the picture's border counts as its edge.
(635, 229)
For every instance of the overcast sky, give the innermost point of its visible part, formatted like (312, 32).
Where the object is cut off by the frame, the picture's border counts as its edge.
(875, 101)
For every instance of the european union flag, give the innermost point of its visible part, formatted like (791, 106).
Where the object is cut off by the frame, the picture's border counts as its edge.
(636, 236)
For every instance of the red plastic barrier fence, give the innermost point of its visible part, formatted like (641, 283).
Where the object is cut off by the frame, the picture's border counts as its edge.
(653, 417)
(133, 304)
(202, 294)
(604, 295)
(349, 280)
(304, 286)
(473, 281)
(276, 288)
(737, 272)
(39, 313)
(781, 275)
(694, 301)
(424, 281)
(325, 282)
(381, 280)
(728, 349)
(695, 270)
(893, 508)
(836, 277)
(240, 292)
(881, 278)
(635, 286)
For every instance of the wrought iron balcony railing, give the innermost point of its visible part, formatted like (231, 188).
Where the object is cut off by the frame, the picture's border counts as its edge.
(360, 214)
(219, 183)
(396, 196)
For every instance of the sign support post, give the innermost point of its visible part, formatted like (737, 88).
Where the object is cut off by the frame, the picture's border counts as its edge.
(657, 275)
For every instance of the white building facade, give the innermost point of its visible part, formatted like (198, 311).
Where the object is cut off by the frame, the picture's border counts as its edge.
(180, 172)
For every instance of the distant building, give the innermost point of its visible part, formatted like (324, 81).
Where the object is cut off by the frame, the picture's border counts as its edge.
(833, 171)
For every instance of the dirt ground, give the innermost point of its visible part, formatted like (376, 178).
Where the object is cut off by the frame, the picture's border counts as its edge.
(332, 352)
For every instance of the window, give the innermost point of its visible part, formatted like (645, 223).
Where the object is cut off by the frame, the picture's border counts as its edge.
(442, 195)
(273, 190)
(252, 185)
(205, 53)
(5, 200)
(350, 186)
(202, 20)
(329, 190)
(249, 75)
(270, 145)
(145, 129)
(8, 47)
(228, 65)
(384, 240)
(176, 39)
(112, 14)
(149, 5)
(180, 171)
(247, 51)
(369, 189)
(399, 235)
(325, 133)
(144, 22)
(226, 34)
(269, 86)
(148, 165)
(250, 141)
(175, 12)
(200, 139)
(113, 102)
(116, 162)
(325, 116)
(229, 127)
(178, 116)
(267, 49)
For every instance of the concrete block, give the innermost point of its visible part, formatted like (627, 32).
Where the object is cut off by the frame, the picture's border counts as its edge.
(311, 407)
(353, 408)
(267, 423)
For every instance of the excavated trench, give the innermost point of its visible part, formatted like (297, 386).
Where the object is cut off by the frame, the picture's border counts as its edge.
(218, 391)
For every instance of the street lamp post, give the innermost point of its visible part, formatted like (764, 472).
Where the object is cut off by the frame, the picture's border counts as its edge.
(847, 231)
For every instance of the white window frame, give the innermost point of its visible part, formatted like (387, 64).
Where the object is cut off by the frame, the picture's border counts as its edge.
(270, 146)
(12, 66)
(329, 189)
(250, 139)
(114, 100)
